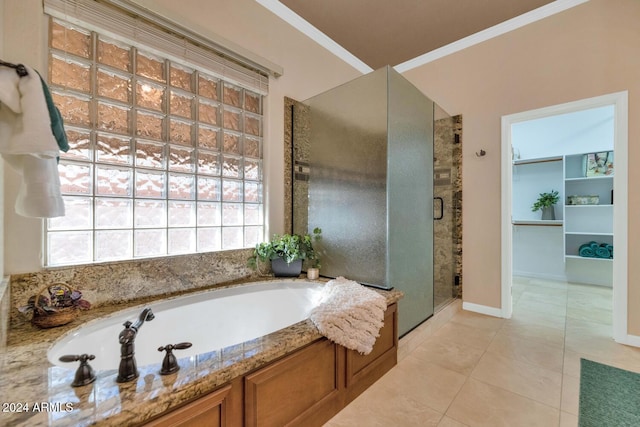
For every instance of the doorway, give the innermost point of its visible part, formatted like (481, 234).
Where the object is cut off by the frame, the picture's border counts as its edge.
(618, 102)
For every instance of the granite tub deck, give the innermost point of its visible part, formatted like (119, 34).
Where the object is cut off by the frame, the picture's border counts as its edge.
(33, 392)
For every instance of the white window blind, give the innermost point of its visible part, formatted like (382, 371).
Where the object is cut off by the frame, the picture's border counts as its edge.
(131, 24)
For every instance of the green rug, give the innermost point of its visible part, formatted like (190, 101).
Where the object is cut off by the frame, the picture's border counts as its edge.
(608, 396)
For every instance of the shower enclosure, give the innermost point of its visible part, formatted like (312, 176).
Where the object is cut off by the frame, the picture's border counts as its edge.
(363, 171)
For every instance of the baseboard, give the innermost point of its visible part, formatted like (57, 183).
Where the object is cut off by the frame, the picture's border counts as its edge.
(632, 340)
(482, 309)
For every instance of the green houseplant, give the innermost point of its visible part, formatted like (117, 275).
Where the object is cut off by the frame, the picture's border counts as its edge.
(286, 252)
(545, 203)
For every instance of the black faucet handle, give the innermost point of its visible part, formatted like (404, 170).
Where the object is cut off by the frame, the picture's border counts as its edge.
(84, 374)
(170, 363)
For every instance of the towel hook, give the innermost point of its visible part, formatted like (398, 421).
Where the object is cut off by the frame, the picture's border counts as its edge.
(481, 153)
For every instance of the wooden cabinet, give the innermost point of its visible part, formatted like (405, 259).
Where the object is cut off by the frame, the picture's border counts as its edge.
(305, 388)
(364, 370)
(301, 389)
(208, 411)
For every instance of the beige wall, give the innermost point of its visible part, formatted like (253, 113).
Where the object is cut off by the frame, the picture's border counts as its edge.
(308, 69)
(590, 50)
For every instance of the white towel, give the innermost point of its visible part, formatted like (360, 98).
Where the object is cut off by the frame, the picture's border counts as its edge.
(27, 143)
(350, 314)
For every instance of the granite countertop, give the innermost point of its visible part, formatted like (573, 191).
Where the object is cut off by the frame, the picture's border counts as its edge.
(33, 392)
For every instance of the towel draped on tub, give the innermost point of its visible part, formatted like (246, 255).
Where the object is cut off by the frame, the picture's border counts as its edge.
(350, 314)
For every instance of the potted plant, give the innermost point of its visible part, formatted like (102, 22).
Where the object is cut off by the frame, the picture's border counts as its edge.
(545, 203)
(286, 253)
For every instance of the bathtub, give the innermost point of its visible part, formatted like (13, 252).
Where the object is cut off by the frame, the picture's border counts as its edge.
(210, 320)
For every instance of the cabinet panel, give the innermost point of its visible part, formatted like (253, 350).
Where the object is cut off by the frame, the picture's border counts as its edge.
(208, 411)
(364, 370)
(294, 389)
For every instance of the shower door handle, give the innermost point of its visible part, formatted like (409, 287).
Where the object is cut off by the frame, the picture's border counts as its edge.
(441, 208)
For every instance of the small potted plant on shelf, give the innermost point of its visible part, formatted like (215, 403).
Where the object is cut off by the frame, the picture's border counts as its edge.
(286, 253)
(546, 203)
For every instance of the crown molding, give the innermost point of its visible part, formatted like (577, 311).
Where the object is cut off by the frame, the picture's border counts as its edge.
(316, 35)
(491, 32)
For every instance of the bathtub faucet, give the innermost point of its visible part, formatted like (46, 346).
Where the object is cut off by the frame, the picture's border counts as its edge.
(128, 370)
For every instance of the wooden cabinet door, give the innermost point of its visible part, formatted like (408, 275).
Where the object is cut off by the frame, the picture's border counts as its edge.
(364, 370)
(207, 411)
(300, 389)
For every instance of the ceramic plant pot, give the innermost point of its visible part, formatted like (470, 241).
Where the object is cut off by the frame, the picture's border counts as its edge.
(282, 269)
(548, 213)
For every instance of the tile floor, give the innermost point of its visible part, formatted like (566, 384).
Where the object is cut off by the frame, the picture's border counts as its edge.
(466, 369)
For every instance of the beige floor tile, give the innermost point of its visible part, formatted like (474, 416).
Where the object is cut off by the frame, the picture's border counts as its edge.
(480, 404)
(478, 320)
(450, 422)
(589, 289)
(593, 339)
(449, 354)
(548, 296)
(591, 314)
(414, 339)
(529, 351)
(380, 407)
(540, 384)
(540, 333)
(588, 299)
(570, 394)
(568, 420)
(427, 384)
(469, 335)
(548, 319)
(539, 304)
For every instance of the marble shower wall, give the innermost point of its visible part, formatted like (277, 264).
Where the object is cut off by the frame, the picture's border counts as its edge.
(447, 184)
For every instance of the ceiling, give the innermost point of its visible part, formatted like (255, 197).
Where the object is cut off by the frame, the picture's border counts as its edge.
(383, 32)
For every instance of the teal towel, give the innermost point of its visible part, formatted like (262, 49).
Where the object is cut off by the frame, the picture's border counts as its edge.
(57, 124)
(586, 251)
(603, 252)
(609, 248)
(594, 245)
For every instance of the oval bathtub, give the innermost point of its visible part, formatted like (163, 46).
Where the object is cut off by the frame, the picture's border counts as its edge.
(210, 320)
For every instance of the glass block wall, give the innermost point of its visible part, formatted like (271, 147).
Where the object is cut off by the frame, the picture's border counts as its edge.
(164, 159)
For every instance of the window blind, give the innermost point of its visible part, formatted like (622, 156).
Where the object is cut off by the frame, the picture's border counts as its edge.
(131, 24)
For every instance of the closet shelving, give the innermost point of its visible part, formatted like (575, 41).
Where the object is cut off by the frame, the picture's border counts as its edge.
(580, 223)
(585, 223)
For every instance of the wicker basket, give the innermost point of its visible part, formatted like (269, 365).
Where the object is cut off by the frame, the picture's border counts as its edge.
(61, 317)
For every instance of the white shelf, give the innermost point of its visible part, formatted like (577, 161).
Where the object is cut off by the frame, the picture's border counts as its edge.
(589, 178)
(587, 233)
(539, 222)
(588, 206)
(538, 160)
(588, 258)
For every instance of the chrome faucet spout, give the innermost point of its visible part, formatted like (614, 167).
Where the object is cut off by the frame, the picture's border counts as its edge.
(128, 370)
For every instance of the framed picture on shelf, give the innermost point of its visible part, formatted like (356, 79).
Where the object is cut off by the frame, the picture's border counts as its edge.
(598, 164)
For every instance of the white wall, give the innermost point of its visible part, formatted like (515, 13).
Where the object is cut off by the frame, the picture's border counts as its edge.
(584, 131)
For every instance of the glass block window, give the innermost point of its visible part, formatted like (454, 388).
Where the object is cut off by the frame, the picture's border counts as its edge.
(165, 158)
